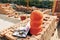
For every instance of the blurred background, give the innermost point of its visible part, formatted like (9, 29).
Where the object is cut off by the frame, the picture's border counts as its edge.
(36, 3)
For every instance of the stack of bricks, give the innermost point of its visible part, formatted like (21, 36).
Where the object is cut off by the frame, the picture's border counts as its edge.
(49, 26)
(6, 9)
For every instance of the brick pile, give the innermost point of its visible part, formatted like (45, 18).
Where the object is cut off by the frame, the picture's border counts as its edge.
(7, 9)
(49, 26)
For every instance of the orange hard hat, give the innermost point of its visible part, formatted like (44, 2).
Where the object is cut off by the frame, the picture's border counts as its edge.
(36, 23)
(36, 15)
(35, 31)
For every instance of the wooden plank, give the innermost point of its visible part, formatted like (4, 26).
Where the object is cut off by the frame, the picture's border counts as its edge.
(54, 6)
